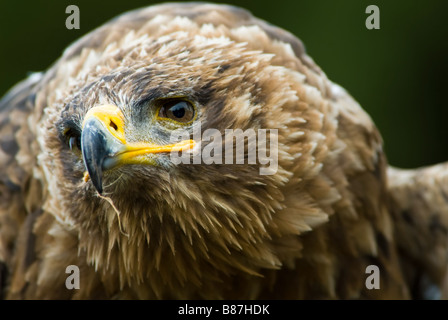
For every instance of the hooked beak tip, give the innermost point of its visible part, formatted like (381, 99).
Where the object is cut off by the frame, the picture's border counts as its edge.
(94, 152)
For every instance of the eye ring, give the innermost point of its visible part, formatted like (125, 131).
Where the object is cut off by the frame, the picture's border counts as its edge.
(177, 110)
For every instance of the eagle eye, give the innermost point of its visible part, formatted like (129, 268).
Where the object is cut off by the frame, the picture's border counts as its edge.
(177, 110)
(73, 139)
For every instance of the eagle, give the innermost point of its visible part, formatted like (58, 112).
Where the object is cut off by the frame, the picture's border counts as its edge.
(88, 177)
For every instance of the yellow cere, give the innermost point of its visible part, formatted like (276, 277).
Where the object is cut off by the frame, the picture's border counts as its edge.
(112, 117)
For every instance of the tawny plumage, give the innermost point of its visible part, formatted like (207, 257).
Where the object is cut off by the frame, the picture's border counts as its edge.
(77, 187)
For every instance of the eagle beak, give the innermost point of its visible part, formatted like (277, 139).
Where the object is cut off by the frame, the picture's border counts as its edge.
(104, 146)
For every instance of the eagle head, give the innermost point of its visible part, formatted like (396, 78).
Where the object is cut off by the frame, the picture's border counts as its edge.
(124, 102)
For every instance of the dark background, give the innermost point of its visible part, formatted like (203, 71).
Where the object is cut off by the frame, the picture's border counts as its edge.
(398, 73)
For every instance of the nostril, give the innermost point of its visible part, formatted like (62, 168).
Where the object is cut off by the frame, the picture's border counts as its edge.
(113, 125)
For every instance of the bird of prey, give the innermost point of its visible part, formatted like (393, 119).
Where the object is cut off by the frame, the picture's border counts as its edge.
(87, 178)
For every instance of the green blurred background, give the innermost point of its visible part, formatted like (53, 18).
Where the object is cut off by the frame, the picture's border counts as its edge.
(398, 73)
